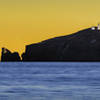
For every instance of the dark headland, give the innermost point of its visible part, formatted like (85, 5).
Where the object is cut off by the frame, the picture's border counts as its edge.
(80, 46)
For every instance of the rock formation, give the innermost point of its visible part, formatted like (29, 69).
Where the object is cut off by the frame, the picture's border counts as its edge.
(81, 46)
(9, 56)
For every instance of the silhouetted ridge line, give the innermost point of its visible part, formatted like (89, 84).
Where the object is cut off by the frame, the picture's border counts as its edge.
(80, 46)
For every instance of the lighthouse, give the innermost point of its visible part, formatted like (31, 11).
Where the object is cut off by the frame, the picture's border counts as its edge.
(96, 28)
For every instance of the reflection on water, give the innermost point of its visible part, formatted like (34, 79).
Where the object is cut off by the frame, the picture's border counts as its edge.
(49, 81)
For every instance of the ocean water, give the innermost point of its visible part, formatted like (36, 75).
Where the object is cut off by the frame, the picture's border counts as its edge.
(49, 81)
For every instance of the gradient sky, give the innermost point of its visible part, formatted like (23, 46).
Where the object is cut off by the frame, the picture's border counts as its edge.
(24, 22)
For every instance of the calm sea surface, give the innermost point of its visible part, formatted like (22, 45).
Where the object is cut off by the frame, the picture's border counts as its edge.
(49, 81)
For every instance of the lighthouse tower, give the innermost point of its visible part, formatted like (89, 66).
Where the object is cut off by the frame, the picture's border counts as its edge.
(98, 27)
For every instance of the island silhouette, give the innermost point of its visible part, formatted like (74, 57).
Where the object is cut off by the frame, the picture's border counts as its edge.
(83, 45)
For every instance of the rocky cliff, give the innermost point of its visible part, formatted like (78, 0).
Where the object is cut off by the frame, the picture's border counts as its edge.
(7, 55)
(80, 46)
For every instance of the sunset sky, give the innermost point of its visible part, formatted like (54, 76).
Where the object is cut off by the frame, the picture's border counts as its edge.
(24, 22)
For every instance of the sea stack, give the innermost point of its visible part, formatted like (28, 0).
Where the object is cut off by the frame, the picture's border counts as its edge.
(7, 55)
